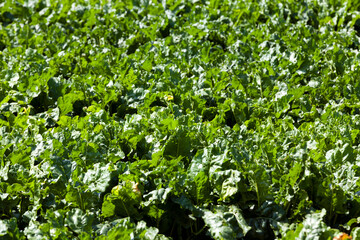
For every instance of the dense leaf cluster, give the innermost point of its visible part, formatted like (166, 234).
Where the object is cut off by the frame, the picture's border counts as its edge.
(182, 119)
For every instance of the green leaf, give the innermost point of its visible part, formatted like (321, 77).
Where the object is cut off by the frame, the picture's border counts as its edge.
(156, 196)
(355, 233)
(199, 188)
(125, 198)
(9, 229)
(66, 102)
(259, 181)
(108, 209)
(78, 221)
(98, 178)
(225, 222)
(313, 227)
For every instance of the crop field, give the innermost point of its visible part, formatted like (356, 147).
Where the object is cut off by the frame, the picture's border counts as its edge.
(180, 119)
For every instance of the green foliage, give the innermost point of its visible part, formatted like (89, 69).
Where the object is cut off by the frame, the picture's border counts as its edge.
(179, 119)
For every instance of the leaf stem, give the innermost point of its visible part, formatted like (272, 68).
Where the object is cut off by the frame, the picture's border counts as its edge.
(122, 202)
(198, 232)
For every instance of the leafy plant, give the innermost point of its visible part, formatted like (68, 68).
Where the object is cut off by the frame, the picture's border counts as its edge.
(179, 119)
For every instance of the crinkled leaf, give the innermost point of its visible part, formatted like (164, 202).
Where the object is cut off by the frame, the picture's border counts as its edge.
(225, 222)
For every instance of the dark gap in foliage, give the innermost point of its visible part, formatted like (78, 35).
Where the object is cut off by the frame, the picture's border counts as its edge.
(216, 39)
(9, 150)
(342, 220)
(158, 102)
(354, 45)
(120, 108)
(214, 17)
(49, 202)
(132, 48)
(294, 115)
(40, 103)
(357, 27)
(262, 18)
(78, 108)
(24, 206)
(209, 114)
(37, 161)
(261, 229)
(96, 98)
(348, 18)
(124, 110)
(189, 74)
(165, 31)
(230, 119)
(351, 110)
(294, 18)
(143, 149)
(22, 223)
(2, 45)
(2, 117)
(129, 154)
(178, 228)
(114, 181)
(62, 20)
(210, 102)
(312, 21)
(263, 219)
(6, 18)
(139, 40)
(251, 124)
(112, 107)
(40, 6)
